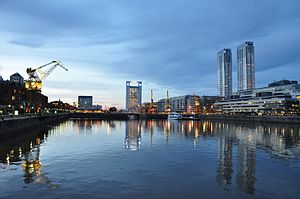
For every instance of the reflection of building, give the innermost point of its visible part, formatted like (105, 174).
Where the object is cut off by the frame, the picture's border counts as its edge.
(279, 97)
(224, 162)
(133, 139)
(32, 165)
(246, 66)
(133, 95)
(246, 168)
(246, 157)
(85, 102)
(181, 104)
(224, 72)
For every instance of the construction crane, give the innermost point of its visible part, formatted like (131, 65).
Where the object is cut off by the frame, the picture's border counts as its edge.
(36, 75)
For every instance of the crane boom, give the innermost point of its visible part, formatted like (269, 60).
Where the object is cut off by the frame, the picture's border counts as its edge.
(45, 74)
(36, 75)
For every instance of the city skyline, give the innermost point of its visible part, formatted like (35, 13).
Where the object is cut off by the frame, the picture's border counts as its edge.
(167, 47)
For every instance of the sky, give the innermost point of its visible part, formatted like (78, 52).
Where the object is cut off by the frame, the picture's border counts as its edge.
(168, 45)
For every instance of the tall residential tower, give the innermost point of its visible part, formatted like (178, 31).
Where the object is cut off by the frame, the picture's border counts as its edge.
(246, 66)
(224, 72)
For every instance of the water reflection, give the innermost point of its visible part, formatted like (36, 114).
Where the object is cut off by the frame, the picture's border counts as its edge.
(94, 125)
(32, 165)
(133, 138)
(25, 151)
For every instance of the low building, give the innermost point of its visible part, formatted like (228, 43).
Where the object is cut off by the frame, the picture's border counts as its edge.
(207, 103)
(60, 106)
(189, 104)
(85, 102)
(17, 79)
(14, 96)
(281, 97)
(97, 107)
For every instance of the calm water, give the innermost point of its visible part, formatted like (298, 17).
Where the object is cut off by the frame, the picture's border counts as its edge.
(152, 159)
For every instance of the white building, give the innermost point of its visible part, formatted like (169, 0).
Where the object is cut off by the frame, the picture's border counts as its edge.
(281, 97)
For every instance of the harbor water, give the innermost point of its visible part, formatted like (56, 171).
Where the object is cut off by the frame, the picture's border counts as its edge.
(83, 158)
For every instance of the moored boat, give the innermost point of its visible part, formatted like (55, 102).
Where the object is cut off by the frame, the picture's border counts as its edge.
(174, 116)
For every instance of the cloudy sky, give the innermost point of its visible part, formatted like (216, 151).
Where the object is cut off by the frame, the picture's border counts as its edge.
(168, 45)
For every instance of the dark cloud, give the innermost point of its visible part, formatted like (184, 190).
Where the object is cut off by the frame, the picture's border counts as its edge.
(166, 42)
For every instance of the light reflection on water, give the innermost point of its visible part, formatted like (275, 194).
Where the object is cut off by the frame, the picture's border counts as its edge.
(235, 159)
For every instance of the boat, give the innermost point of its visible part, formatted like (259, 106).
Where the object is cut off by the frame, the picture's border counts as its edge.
(174, 116)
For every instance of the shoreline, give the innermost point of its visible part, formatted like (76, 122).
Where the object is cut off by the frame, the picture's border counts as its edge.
(10, 126)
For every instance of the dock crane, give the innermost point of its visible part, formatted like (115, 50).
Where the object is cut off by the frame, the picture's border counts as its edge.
(36, 75)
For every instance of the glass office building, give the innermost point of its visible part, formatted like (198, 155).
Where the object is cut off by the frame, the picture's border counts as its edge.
(85, 102)
(133, 95)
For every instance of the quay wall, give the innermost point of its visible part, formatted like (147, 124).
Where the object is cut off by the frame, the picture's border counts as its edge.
(250, 118)
(213, 117)
(13, 125)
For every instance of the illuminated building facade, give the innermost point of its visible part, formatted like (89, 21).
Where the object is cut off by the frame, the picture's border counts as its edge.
(133, 95)
(14, 96)
(182, 104)
(85, 102)
(224, 59)
(281, 97)
(246, 66)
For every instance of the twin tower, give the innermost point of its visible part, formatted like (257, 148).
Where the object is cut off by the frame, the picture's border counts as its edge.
(245, 69)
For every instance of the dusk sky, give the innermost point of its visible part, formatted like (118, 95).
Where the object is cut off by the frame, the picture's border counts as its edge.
(168, 45)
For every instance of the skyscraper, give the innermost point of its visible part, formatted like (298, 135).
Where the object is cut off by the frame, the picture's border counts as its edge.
(133, 95)
(224, 59)
(246, 66)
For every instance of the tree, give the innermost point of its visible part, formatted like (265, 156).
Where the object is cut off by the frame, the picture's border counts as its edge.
(112, 109)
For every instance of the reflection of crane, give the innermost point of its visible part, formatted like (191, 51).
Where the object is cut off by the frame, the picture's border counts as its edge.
(36, 75)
